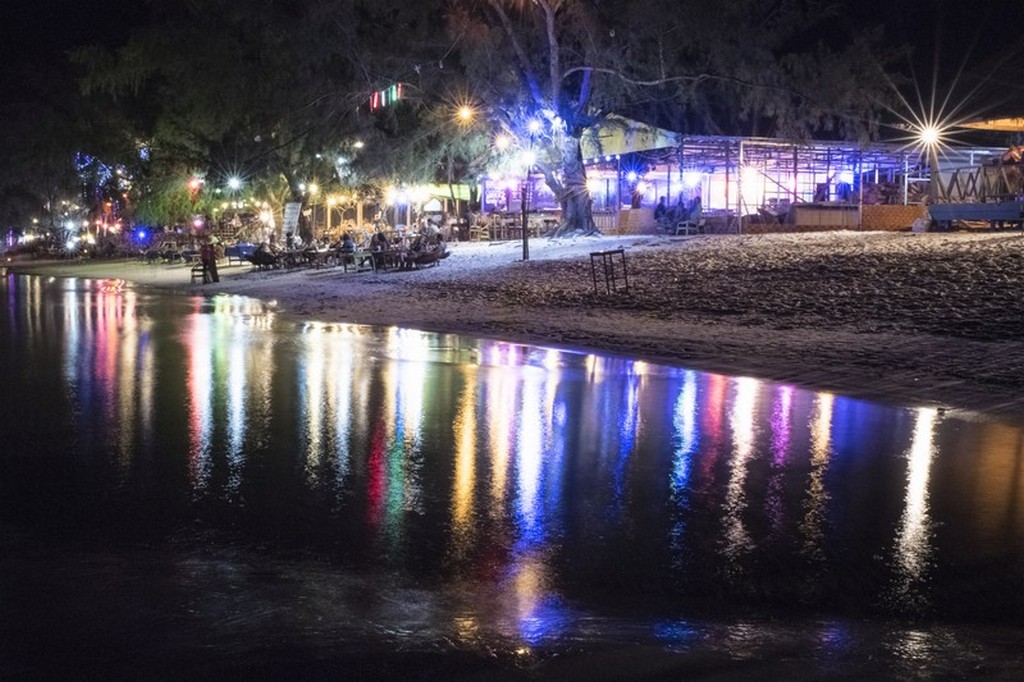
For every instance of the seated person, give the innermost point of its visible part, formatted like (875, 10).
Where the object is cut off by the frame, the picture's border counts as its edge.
(695, 209)
(661, 211)
(264, 256)
(680, 213)
(407, 256)
(379, 242)
(428, 250)
(379, 245)
(347, 244)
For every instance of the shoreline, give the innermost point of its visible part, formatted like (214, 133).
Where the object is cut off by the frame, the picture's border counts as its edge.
(913, 319)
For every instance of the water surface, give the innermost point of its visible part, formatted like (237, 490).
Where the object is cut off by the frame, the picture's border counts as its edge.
(201, 485)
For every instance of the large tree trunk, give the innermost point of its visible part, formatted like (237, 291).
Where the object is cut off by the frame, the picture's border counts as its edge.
(577, 206)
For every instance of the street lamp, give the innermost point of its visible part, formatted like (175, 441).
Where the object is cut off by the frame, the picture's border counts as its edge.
(930, 137)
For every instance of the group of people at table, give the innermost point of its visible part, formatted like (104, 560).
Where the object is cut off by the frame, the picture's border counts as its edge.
(379, 250)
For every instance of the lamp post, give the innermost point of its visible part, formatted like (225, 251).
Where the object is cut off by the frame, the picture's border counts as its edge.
(313, 190)
(526, 234)
(930, 137)
(331, 201)
(534, 127)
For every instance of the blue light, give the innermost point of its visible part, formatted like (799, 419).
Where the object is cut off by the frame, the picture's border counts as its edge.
(141, 235)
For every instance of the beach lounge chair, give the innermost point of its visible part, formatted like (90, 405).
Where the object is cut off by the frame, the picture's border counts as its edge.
(690, 226)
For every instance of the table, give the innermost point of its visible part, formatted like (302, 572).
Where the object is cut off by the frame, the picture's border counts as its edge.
(360, 261)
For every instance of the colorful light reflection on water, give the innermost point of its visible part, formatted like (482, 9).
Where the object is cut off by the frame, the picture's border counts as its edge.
(526, 486)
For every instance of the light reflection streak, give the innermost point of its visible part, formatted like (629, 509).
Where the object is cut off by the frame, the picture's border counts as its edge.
(812, 525)
(73, 326)
(501, 403)
(465, 457)
(538, 612)
(553, 438)
(915, 646)
(684, 419)
(261, 365)
(380, 441)
(102, 361)
(628, 427)
(781, 434)
(737, 540)
(913, 546)
(105, 351)
(676, 635)
(687, 438)
(236, 407)
(327, 384)
(835, 637)
(405, 465)
(342, 369)
(552, 360)
(199, 379)
(781, 426)
(311, 398)
(375, 484)
(713, 408)
(146, 378)
(529, 457)
(14, 289)
(34, 320)
(394, 463)
(127, 374)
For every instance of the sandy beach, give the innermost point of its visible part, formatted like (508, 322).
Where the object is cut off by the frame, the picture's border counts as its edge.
(899, 317)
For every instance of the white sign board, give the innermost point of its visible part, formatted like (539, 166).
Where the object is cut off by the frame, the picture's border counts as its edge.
(291, 217)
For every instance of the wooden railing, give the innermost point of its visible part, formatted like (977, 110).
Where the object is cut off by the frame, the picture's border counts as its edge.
(981, 184)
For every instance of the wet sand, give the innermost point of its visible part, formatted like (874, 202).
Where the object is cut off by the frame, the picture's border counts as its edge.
(899, 317)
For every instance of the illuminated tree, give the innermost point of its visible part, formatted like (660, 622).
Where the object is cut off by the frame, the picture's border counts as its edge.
(570, 63)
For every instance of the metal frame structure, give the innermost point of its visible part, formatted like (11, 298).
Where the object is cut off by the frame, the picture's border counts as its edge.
(740, 175)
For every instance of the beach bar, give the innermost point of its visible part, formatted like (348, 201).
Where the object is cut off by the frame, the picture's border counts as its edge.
(752, 184)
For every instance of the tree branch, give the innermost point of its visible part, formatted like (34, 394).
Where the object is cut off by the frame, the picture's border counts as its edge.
(581, 101)
(524, 61)
(632, 81)
(676, 79)
(554, 57)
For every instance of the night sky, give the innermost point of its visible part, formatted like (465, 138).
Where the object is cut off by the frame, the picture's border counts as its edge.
(43, 29)
(984, 38)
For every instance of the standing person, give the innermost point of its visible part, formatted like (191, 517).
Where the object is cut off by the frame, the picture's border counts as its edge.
(208, 256)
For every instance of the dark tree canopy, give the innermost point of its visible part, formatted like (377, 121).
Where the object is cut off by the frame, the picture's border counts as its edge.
(277, 93)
